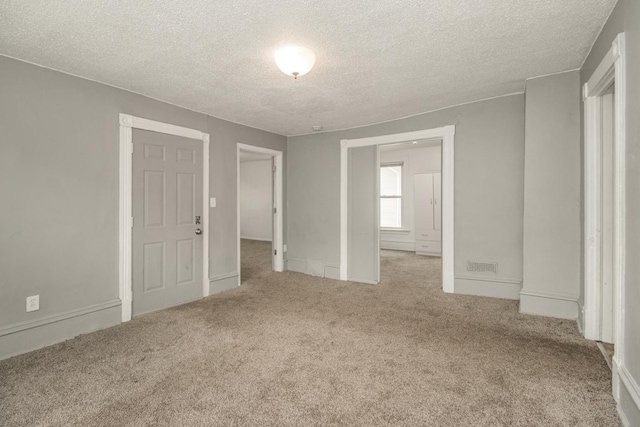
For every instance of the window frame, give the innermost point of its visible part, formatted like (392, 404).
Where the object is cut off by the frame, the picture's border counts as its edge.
(388, 164)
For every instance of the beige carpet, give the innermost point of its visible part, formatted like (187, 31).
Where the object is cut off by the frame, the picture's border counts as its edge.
(288, 349)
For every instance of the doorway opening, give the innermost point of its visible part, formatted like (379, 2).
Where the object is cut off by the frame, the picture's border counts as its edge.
(606, 342)
(604, 209)
(361, 200)
(410, 183)
(260, 223)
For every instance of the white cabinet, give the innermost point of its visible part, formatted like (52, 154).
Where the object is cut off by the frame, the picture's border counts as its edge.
(427, 218)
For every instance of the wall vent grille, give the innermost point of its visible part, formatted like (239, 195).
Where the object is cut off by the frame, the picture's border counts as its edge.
(482, 267)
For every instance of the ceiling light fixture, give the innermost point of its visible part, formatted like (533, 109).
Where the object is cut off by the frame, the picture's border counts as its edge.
(295, 60)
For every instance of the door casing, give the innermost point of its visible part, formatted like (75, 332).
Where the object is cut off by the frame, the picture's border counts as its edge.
(125, 256)
(278, 195)
(610, 71)
(447, 135)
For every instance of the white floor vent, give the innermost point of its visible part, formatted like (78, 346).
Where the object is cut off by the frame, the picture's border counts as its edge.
(482, 267)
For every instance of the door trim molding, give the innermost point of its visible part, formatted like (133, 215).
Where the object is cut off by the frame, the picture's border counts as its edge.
(447, 135)
(125, 255)
(278, 190)
(610, 71)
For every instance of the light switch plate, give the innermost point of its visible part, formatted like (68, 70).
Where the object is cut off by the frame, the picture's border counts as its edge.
(33, 303)
(285, 248)
(212, 202)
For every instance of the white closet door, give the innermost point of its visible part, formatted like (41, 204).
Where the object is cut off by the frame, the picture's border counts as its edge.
(437, 203)
(423, 201)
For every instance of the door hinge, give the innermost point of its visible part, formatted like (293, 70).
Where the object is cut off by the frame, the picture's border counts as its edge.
(274, 168)
(275, 210)
(131, 147)
(275, 252)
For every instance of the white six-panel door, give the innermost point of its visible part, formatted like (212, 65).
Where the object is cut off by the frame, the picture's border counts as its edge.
(167, 226)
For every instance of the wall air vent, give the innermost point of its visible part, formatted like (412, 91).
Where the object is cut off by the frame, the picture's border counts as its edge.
(482, 267)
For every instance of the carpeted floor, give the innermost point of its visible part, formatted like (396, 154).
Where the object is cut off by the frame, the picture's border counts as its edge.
(288, 349)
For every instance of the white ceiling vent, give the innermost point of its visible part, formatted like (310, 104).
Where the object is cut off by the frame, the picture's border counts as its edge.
(482, 267)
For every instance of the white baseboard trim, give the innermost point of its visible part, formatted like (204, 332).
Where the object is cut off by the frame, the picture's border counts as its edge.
(367, 281)
(297, 265)
(623, 418)
(28, 336)
(22, 326)
(628, 395)
(494, 287)
(223, 282)
(332, 271)
(396, 245)
(541, 303)
(223, 276)
(314, 267)
(260, 239)
(431, 254)
(580, 319)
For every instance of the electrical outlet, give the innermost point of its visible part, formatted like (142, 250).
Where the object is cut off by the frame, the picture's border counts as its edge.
(212, 202)
(33, 303)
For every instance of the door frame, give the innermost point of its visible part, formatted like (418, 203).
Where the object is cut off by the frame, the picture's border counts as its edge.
(278, 195)
(447, 135)
(125, 257)
(610, 71)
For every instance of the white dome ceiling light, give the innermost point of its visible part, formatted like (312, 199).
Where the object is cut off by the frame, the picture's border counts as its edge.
(295, 60)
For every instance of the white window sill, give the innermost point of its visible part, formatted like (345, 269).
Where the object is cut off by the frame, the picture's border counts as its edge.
(395, 230)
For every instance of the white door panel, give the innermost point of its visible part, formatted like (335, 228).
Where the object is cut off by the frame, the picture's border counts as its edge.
(167, 201)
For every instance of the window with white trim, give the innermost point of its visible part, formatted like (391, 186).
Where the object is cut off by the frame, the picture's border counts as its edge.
(391, 195)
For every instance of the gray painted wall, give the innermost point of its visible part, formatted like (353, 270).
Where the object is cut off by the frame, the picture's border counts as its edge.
(489, 158)
(363, 221)
(626, 18)
(256, 200)
(59, 182)
(552, 231)
(632, 272)
(224, 139)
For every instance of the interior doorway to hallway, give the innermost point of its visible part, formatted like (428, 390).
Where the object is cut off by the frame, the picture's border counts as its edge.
(606, 342)
(604, 209)
(260, 223)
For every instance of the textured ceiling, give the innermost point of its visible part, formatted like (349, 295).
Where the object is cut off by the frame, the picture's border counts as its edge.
(375, 60)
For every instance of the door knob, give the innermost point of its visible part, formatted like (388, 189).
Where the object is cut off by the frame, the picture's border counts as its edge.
(198, 231)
